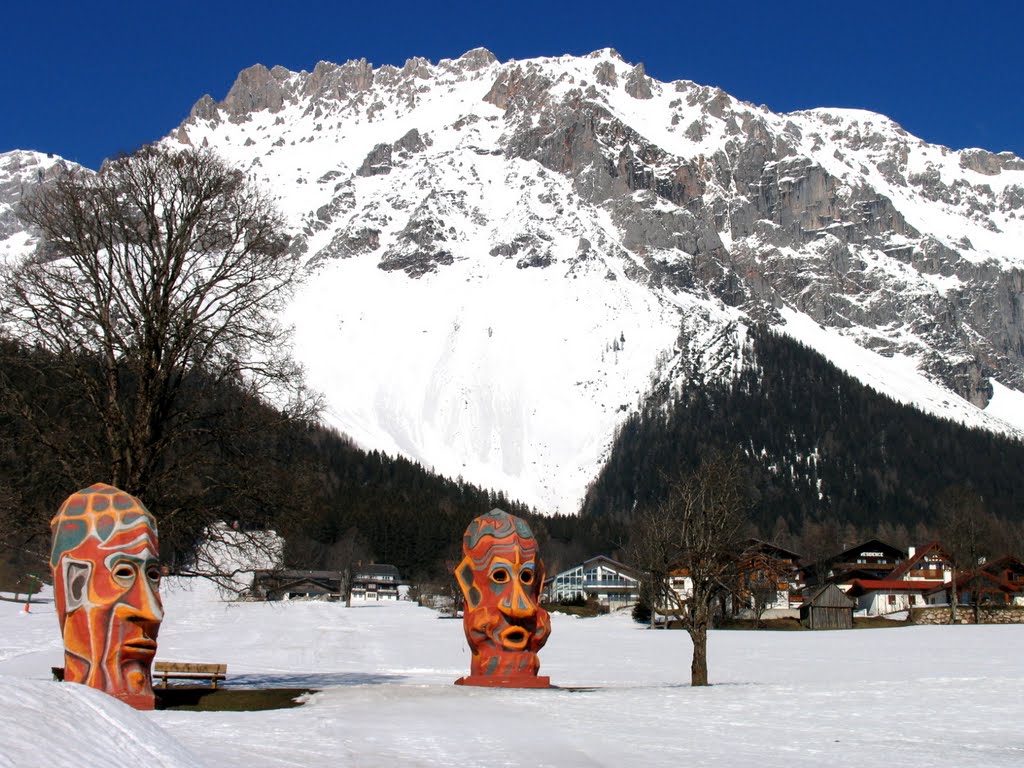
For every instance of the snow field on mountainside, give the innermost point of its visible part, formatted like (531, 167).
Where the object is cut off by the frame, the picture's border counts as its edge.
(947, 696)
(499, 366)
(491, 384)
(898, 377)
(489, 372)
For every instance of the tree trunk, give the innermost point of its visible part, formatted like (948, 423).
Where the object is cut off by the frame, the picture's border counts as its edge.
(699, 664)
(659, 594)
(952, 601)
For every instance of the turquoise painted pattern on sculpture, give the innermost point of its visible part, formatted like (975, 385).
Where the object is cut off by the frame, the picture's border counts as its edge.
(77, 519)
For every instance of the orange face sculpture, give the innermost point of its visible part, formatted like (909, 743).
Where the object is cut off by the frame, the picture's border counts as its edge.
(106, 578)
(501, 576)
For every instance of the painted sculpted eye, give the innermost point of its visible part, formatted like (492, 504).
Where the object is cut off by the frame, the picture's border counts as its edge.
(526, 576)
(153, 573)
(124, 573)
(500, 576)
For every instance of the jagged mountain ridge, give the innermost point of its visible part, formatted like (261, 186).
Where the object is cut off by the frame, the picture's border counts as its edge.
(505, 257)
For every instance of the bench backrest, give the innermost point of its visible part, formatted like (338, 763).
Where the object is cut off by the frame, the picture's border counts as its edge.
(177, 666)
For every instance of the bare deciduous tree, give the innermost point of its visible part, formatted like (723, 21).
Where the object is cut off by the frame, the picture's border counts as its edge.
(155, 281)
(699, 529)
(761, 586)
(653, 550)
(966, 529)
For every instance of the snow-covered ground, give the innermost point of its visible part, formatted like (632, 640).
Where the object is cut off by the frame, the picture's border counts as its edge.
(936, 696)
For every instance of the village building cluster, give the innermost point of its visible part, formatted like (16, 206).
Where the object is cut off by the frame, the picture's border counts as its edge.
(871, 579)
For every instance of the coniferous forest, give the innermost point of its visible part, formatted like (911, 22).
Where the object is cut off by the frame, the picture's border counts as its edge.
(248, 465)
(821, 449)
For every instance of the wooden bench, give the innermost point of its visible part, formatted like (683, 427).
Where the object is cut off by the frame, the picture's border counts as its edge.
(176, 670)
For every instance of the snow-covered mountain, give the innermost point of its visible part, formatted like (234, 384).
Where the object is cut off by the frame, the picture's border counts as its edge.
(504, 257)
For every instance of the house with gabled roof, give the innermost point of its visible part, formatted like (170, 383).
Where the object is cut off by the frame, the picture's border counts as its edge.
(769, 577)
(872, 559)
(1011, 571)
(907, 585)
(375, 581)
(877, 597)
(978, 586)
(928, 563)
(285, 584)
(609, 582)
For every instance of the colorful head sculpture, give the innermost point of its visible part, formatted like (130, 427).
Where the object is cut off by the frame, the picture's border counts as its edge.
(106, 578)
(501, 576)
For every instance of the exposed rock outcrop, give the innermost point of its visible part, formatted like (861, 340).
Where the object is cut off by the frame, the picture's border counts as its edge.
(819, 211)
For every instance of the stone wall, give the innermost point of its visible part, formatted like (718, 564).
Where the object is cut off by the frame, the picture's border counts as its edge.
(939, 614)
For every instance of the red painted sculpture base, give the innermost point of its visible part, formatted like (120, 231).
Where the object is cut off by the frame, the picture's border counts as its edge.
(511, 681)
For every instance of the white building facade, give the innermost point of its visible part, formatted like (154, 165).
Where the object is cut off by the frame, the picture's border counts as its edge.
(611, 583)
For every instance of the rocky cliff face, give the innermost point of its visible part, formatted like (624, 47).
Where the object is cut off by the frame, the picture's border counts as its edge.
(810, 206)
(21, 171)
(595, 220)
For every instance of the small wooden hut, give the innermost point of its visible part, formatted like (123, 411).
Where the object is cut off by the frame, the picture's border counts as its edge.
(827, 608)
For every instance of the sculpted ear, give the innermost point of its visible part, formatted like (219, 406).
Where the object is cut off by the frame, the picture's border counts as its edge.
(464, 575)
(76, 583)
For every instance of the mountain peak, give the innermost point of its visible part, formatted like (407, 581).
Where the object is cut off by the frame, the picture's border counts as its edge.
(606, 53)
(478, 58)
(257, 88)
(506, 257)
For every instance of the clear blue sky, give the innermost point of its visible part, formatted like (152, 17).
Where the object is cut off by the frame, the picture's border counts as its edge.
(87, 80)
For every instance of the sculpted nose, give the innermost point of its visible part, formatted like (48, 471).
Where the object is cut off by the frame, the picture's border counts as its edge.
(147, 610)
(149, 628)
(519, 604)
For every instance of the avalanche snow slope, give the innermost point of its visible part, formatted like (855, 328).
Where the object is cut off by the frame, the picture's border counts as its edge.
(509, 374)
(385, 672)
(505, 256)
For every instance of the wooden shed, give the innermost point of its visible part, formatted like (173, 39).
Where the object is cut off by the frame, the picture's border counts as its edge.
(827, 608)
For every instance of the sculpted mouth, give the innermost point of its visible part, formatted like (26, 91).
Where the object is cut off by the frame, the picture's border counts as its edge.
(141, 647)
(514, 638)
